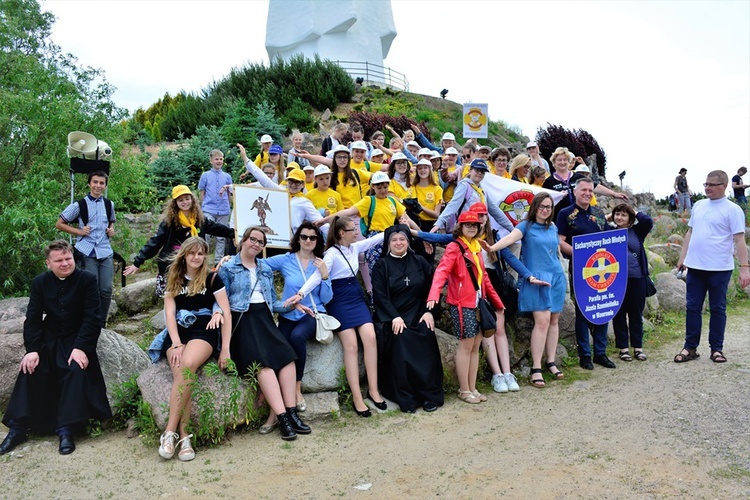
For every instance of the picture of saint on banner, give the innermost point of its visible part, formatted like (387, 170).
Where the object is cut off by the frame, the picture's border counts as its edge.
(264, 208)
(600, 273)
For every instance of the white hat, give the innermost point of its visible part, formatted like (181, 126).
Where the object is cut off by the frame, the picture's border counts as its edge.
(448, 137)
(359, 145)
(582, 168)
(424, 161)
(379, 178)
(451, 151)
(434, 154)
(341, 149)
(424, 151)
(413, 143)
(376, 152)
(309, 167)
(398, 156)
(266, 138)
(486, 148)
(532, 144)
(321, 170)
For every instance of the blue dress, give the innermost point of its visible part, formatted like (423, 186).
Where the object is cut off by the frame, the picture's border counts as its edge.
(539, 254)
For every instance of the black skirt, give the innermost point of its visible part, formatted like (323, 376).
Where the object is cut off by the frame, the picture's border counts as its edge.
(256, 338)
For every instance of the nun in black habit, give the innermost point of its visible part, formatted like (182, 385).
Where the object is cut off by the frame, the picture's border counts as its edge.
(410, 370)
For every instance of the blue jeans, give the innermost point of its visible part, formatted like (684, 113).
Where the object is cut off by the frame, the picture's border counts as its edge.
(685, 203)
(699, 283)
(298, 333)
(104, 271)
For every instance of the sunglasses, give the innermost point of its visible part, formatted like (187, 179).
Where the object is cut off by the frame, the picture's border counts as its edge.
(256, 241)
(465, 157)
(308, 237)
(472, 224)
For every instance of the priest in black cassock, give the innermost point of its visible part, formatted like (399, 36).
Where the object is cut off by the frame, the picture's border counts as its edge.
(410, 370)
(60, 384)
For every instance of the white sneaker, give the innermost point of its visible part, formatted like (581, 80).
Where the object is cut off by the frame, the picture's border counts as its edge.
(167, 444)
(511, 382)
(499, 384)
(186, 452)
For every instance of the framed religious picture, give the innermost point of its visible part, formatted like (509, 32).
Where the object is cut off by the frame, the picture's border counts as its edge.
(267, 209)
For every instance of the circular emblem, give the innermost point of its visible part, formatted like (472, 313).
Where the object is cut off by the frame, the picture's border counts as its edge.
(516, 205)
(430, 197)
(600, 270)
(475, 119)
(331, 202)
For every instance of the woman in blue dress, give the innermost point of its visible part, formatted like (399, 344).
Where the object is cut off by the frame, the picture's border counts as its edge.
(539, 254)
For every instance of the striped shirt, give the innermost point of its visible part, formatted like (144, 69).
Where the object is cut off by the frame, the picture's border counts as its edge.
(96, 244)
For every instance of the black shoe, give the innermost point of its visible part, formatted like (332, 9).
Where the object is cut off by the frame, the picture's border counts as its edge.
(67, 446)
(409, 410)
(297, 424)
(13, 439)
(365, 413)
(602, 359)
(285, 426)
(585, 362)
(429, 406)
(380, 405)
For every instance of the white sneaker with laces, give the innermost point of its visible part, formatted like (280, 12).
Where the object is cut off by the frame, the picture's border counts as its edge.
(167, 444)
(510, 380)
(186, 452)
(499, 384)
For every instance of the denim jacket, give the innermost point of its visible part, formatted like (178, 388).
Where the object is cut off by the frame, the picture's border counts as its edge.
(236, 278)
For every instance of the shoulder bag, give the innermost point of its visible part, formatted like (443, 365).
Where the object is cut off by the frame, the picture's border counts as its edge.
(485, 311)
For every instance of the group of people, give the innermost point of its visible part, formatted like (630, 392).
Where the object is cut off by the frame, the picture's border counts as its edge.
(389, 215)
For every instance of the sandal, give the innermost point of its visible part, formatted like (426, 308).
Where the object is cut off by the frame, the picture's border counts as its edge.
(686, 355)
(625, 355)
(640, 355)
(718, 357)
(468, 397)
(481, 397)
(539, 382)
(557, 374)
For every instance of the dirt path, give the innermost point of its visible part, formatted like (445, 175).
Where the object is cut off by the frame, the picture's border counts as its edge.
(645, 430)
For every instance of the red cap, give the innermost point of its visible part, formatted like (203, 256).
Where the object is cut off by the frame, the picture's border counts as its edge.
(478, 208)
(468, 216)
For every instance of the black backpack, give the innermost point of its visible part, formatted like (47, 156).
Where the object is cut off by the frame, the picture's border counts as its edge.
(83, 214)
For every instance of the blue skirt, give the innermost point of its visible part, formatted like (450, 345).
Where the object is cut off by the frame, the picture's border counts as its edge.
(348, 304)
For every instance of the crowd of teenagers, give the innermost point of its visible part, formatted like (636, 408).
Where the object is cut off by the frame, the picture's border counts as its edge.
(363, 211)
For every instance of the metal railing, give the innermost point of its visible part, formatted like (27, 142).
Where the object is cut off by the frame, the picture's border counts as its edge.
(375, 74)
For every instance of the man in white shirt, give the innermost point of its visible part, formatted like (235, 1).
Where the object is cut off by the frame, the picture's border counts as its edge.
(716, 226)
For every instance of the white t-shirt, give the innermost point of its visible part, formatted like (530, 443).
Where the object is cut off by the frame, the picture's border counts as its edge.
(714, 224)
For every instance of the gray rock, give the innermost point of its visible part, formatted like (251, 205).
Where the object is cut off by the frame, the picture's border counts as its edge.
(675, 238)
(670, 292)
(137, 297)
(11, 352)
(567, 321)
(159, 321)
(112, 310)
(670, 252)
(654, 259)
(120, 359)
(448, 345)
(323, 366)
(13, 314)
(321, 405)
(652, 305)
(326, 115)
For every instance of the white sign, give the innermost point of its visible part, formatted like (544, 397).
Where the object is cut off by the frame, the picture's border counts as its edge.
(475, 121)
(267, 209)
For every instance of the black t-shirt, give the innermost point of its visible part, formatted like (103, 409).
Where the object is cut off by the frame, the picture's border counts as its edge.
(555, 184)
(738, 191)
(199, 300)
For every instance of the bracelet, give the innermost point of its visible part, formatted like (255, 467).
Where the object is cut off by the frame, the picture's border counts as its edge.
(300, 295)
(219, 311)
(324, 278)
(176, 346)
(744, 265)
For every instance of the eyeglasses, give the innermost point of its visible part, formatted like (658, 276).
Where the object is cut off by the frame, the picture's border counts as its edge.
(256, 241)
(340, 157)
(545, 207)
(308, 237)
(712, 184)
(294, 182)
(475, 225)
(465, 157)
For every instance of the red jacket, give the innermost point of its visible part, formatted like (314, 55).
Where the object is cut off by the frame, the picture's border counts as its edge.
(461, 292)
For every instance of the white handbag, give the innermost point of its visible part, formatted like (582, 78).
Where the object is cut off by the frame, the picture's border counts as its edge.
(324, 323)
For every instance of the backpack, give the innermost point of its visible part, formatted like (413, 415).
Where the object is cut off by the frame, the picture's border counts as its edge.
(83, 210)
(364, 228)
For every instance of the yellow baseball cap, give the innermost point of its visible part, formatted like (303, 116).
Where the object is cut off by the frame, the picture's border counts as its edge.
(178, 191)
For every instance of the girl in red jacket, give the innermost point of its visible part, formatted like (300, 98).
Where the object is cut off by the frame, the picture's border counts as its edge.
(462, 300)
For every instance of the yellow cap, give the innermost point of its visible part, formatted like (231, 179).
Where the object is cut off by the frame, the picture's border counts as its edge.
(297, 175)
(178, 191)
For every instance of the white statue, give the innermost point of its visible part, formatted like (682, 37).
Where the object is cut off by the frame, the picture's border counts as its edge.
(339, 30)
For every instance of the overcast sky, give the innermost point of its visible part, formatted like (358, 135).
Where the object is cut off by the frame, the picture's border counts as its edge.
(660, 85)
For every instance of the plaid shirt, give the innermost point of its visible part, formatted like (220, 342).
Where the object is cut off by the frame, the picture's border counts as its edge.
(96, 244)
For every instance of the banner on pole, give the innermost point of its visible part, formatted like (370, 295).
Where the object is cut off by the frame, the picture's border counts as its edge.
(267, 209)
(475, 121)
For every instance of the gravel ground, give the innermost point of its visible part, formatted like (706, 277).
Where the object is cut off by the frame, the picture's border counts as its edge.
(649, 429)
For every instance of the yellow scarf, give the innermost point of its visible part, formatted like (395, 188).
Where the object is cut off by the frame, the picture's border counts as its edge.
(480, 192)
(476, 252)
(188, 222)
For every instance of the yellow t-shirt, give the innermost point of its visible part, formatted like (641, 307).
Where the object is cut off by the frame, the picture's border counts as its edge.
(399, 191)
(385, 214)
(329, 200)
(429, 197)
(309, 187)
(262, 158)
(351, 194)
(374, 167)
(448, 191)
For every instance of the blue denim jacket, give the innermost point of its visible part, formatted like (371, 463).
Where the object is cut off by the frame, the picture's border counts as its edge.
(236, 278)
(185, 319)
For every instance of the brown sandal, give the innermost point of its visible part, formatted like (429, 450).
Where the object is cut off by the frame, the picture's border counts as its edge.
(687, 355)
(718, 357)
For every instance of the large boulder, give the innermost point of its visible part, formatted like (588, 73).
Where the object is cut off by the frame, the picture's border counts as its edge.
(655, 260)
(448, 345)
(670, 252)
(670, 292)
(11, 352)
(13, 314)
(323, 366)
(652, 305)
(675, 239)
(159, 321)
(137, 297)
(120, 359)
